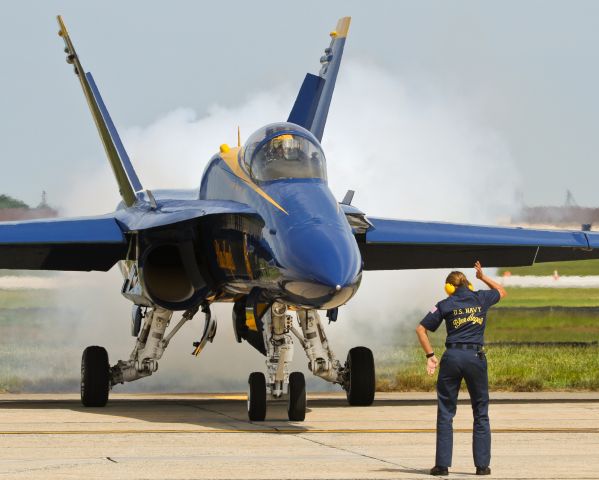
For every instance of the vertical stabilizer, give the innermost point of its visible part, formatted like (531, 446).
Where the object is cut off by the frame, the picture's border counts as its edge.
(124, 172)
(311, 107)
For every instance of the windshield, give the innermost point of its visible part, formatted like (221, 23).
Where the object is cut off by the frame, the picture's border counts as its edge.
(286, 155)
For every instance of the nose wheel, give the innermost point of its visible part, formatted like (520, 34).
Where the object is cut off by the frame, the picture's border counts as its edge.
(296, 397)
(95, 377)
(296, 405)
(359, 377)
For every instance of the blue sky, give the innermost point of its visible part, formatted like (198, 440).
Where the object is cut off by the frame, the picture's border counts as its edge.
(528, 71)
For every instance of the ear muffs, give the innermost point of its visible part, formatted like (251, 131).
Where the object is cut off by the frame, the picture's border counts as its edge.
(450, 289)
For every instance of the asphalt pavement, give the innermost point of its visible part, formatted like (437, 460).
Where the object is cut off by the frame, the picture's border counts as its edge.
(197, 436)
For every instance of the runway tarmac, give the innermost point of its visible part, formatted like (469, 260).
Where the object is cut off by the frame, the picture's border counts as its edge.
(196, 436)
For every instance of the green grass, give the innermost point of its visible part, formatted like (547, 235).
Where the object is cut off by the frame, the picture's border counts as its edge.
(541, 297)
(24, 345)
(515, 368)
(507, 325)
(510, 368)
(578, 268)
(400, 366)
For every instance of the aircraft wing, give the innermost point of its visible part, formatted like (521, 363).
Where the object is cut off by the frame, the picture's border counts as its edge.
(96, 243)
(84, 244)
(400, 244)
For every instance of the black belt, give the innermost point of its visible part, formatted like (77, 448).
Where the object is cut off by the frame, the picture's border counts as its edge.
(465, 346)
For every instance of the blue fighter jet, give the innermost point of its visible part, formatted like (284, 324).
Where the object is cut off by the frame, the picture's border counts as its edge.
(264, 232)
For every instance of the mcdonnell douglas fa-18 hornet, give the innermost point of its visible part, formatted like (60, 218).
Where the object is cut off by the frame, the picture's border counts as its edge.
(264, 232)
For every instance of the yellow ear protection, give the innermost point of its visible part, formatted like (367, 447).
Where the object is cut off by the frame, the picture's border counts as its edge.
(450, 289)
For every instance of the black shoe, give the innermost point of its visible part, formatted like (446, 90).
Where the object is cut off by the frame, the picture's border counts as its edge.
(436, 470)
(483, 471)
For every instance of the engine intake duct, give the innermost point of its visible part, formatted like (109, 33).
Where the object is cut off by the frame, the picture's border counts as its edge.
(171, 275)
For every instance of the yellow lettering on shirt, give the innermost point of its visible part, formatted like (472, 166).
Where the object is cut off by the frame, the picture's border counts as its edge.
(471, 310)
(458, 322)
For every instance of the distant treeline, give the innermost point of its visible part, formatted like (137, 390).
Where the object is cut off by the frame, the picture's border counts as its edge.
(7, 201)
(12, 209)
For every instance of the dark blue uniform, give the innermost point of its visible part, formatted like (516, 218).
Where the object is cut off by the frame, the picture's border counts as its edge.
(465, 315)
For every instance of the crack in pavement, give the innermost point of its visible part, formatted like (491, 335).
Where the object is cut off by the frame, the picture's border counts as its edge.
(42, 468)
(333, 447)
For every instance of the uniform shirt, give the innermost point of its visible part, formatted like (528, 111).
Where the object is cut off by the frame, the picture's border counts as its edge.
(465, 315)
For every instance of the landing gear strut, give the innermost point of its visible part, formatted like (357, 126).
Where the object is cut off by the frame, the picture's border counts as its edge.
(356, 377)
(98, 377)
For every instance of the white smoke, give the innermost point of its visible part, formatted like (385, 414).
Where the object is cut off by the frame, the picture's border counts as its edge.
(409, 151)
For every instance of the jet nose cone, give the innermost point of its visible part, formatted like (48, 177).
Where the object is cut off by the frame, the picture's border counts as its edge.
(329, 261)
(325, 264)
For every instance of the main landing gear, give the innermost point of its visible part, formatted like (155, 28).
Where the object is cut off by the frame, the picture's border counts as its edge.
(356, 376)
(98, 377)
(95, 377)
(359, 381)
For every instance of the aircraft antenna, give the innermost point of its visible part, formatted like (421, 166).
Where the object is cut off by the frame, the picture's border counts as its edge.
(238, 136)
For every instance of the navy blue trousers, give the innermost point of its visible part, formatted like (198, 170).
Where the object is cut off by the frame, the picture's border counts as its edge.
(458, 364)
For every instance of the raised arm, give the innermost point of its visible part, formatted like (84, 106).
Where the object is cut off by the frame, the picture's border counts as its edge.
(488, 280)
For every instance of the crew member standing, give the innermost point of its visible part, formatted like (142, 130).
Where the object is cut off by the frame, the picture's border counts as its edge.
(465, 315)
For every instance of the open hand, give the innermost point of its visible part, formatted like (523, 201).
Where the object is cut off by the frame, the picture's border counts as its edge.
(431, 365)
(479, 270)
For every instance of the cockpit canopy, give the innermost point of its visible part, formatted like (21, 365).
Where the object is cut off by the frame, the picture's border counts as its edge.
(284, 150)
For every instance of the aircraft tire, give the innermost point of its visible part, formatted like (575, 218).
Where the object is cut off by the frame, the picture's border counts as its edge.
(257, 397)
(95, 377)
(361, 379)
(296, 407)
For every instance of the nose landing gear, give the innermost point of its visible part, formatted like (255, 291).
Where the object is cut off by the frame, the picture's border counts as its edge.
(296, 405)
(296, 397)
(357, 376)
(278, 383)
